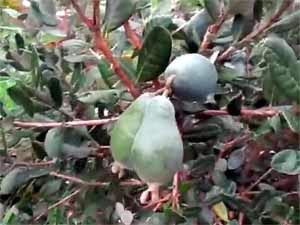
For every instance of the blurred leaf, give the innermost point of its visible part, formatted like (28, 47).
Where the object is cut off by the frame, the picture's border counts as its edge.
(19, 42)
(21, 61)
(117, 12)
(235, 105)
(18, 177)
(54, 142)
(125, 215)
(213, 7)
(56, 91)
(106, 72)
(287, 162)
(81, 58)
(154, 55)
(51, 187)
(101, 96)
(241, 27)
(287, 23)
(236, 159)
(75, 45)
(13, 4)
(221, 211)
(241, 7)
(63, 142)
(20, 97)
(161, 7)
(45, 11)
(292, 120)
(196, 28)
(162, 20)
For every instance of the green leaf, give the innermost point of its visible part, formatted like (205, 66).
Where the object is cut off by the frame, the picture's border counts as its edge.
(287, 162)
(18, 177)
(117, 12)
(20, 97)
(154, 55)
(106, 72)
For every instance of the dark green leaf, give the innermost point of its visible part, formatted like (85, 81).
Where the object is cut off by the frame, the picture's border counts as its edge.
(56, 91)
(163, 21)
(117, 12)
(18, 177)
(19, 42)
(155, 54)
(20, 97)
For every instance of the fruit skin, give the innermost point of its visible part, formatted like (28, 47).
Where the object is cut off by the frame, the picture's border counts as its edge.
(196, 77)
(158, 149)
(125, 129)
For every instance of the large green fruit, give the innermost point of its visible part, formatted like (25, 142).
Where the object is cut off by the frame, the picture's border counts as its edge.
(196, 77)
(125, 129)
(158, 150)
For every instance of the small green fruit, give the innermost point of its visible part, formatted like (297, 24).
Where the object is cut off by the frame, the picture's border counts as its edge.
(196, 77)
(125, 129)
(158, 150)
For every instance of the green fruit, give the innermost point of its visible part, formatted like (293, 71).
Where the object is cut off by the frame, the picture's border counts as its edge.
(196, 77)
(158, 149)
(125, 129)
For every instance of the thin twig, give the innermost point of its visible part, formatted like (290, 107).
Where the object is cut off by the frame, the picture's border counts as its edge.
(234, 143)
(62, 201)
(260, 113)
(259, 179)
(102, 46)
(76, 123)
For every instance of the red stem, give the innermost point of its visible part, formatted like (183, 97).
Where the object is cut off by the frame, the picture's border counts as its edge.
(102, 46)
(264, 112)
(132, 36)
(211, 32)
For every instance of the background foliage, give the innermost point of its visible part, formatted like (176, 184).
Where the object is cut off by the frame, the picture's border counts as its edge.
(57, 64)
